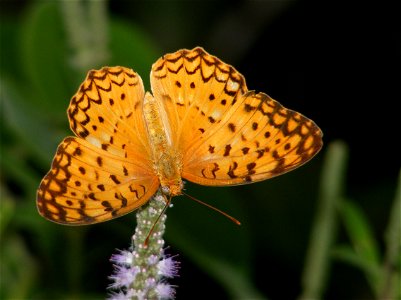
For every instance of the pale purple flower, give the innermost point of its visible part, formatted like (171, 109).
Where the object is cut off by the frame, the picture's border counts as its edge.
(165, 291)
(153, 259)
(129, 294)
(150, 283)
(168, 267)
(123, 276)
(139, 295)
(124, 257)
(141, 272)
(117, 296)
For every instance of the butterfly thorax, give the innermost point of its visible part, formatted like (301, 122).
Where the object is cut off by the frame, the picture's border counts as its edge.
(166, 160)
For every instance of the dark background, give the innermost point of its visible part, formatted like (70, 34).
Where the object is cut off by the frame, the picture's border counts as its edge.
(338, 63)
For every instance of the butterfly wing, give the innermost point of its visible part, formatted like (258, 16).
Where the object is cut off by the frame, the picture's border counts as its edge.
(88, 185)
(228, 135)
(107, 171)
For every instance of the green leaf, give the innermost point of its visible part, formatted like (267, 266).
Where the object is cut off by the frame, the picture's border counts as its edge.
(235, 280)
(28, 122)
(44, 56)
(17, 268)
(131, 47)
(360, 233)
(10, 61)
(7, 210)
(362, 240)
(325, 224)
(347, 254)
(18, 171)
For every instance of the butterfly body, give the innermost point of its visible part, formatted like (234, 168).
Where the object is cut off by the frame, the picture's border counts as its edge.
(166, 159)
(199, 123)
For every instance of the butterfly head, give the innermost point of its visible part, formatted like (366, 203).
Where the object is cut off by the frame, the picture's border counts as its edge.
(173, 188)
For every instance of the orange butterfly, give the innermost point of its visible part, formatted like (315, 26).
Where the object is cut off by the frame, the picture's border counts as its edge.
(200, 123)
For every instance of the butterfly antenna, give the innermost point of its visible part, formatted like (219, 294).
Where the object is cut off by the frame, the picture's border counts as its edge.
(157, 220)
(214, 208)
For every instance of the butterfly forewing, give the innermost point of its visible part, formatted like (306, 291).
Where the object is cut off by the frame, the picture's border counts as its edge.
(196, 90)
(228, 135)
(107, 171)
(107, 111)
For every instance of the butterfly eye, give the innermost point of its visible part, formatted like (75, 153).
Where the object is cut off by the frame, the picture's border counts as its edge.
(166, 190)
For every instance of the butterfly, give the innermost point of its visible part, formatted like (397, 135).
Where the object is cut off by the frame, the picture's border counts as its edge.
(200, 123)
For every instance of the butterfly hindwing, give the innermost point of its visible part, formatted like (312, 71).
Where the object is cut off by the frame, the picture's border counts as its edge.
(264, 141)
(88, 185)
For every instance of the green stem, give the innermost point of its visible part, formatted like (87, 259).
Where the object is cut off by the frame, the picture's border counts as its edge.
(75, 237)
(392, 261)
(99, 29)
(324, 227)
(86, 29)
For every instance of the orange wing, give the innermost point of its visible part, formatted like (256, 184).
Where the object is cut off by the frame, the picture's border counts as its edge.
(228, 135)
(89, 185)
(107, 171)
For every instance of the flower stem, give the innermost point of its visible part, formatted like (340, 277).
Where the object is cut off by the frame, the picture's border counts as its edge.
(153, 251)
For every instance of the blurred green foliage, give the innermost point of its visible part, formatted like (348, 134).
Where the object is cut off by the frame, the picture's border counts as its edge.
(43, 61)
